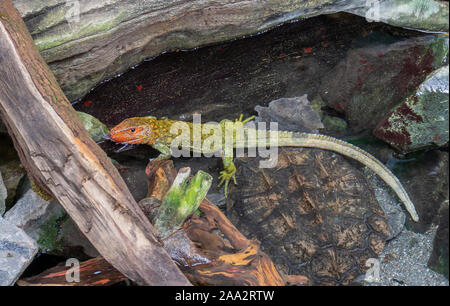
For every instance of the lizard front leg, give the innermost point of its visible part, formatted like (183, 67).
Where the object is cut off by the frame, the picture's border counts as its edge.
(165, 151)
(229, 169)
(228, 173)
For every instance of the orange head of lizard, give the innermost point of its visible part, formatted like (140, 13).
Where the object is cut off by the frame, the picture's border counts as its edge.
(135, 130)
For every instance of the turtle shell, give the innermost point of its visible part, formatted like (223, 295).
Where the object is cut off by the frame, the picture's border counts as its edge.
(314, 214)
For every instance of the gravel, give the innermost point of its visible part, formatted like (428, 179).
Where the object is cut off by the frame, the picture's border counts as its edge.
(404, 261)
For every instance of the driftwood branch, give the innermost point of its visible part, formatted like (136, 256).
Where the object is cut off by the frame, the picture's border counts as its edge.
(210, 250)
(61, 158)
(92, 272)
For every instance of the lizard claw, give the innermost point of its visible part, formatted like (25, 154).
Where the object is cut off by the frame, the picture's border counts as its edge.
(244, 121)
(225, 177)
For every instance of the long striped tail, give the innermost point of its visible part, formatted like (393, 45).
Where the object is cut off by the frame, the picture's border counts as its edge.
(290, 139)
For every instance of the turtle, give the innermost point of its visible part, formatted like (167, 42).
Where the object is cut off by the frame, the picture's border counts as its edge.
(314, 213)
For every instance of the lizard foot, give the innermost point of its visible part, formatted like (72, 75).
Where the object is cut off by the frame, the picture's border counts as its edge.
(244, 121)
(229, 173)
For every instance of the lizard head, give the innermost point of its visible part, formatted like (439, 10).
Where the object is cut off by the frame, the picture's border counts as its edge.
(135, 130)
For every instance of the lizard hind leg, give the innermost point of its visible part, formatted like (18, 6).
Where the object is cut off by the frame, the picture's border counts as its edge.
(228, 173)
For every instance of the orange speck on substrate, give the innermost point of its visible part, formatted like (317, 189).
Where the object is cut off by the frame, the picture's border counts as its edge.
(282, 56)
(324, 44)
(308, 50)
(87, 103)
(139, 88)
(233, 270)
(101, 282)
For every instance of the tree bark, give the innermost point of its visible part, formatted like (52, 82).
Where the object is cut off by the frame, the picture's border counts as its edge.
(62, 159)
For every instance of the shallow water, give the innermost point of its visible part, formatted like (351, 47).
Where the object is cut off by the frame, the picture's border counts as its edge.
(222, 81)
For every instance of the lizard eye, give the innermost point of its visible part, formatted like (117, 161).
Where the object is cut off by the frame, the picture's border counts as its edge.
(133, 130)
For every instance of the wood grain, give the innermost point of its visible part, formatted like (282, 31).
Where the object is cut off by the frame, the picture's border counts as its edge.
(61, 158)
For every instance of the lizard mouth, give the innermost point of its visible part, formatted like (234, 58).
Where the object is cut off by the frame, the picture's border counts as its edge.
(125, 147)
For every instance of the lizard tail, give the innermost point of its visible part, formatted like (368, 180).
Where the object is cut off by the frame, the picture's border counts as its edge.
(290, 139)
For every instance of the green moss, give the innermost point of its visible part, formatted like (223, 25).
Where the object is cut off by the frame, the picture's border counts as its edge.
(73, 36)
(440, 50)
(365, 141)
(181, 201)
(49, 239)
(96, 129)
(334, 124)
(442, 267)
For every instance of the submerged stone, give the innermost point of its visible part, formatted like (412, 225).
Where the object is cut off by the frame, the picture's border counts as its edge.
(86, 42)
(291, 114)
(422, 120)
(96, 129)
(381, 74)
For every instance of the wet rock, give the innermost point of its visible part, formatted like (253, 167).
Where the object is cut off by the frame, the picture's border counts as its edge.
(3, 195)
(3, 127)
(439, 256)
(133, 173)
(334, 125)
(86, 42)
(96, 129)
(31, 212)
(379, 75)
(291, 114)
(425, 177)
(17, 250)
(11, 168)
(13, 172)
(74, 242)
(422, 120)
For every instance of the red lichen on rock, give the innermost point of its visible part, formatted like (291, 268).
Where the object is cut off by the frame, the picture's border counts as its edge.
(394, 130)
(413, 71)
(399, 139)
(406, 113)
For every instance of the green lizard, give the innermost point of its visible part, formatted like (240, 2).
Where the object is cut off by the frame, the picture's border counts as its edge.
(158, 134)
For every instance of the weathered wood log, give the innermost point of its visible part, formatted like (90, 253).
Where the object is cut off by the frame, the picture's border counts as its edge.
(61, 158)
(92, 272)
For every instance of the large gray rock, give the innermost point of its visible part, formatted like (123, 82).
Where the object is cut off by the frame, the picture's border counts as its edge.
(86, 42)
(17, 250)
(31, 212)
(3, 195)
